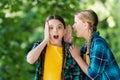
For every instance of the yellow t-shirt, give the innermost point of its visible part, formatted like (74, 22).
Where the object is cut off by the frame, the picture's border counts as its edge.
(53, 63)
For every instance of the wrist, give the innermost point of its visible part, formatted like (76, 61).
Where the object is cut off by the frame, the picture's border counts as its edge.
(77, 58)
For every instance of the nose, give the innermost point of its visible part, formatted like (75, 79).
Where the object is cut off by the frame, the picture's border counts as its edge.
(55, 29)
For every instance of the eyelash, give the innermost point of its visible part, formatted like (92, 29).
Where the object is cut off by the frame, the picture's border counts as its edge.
(51, 28)
(59, 27)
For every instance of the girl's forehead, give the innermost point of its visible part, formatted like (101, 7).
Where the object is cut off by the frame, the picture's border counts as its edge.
(54, 22)
(76, 18)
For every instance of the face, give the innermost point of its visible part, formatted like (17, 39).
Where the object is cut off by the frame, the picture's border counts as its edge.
(56, 30)
(79, 27)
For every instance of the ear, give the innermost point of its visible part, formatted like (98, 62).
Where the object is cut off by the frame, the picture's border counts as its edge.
(86, 25)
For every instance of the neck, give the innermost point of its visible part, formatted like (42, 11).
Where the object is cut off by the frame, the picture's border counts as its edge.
(57, 44)
(86, 37)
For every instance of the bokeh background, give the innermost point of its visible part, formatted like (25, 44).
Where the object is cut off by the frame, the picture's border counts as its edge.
(22, 22)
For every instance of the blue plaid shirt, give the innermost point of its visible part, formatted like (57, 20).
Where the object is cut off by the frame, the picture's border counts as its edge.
(103, 65)
(71, 71)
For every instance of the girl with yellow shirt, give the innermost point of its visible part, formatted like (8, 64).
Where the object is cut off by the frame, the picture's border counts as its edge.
(52, 56)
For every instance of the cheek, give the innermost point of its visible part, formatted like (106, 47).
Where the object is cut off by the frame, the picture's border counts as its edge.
(50, 34)
(77, 25)
(62, 33)
(78, 28)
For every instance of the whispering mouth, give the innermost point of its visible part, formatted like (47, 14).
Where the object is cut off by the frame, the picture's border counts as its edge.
(55, 36)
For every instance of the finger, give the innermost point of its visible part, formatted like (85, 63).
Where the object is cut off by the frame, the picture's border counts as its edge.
(74, 46)
(70, 50)
(47, 24)
(69, 26)
(70, 47)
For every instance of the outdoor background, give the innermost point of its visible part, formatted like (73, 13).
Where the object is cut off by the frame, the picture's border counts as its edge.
(22, 22)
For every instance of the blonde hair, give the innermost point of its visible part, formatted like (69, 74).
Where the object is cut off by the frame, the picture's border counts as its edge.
(91, 18)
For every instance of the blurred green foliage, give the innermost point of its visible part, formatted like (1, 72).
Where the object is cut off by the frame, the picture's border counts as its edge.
(22, 22)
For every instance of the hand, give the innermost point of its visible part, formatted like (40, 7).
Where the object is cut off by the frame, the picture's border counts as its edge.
(46, 31)
(68, 35)
(75, 52)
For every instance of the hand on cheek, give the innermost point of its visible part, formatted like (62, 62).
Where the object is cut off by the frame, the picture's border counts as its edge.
(46, 31)
(68, 35)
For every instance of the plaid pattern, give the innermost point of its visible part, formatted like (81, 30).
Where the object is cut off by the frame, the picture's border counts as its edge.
(103, 65)
(71, 70)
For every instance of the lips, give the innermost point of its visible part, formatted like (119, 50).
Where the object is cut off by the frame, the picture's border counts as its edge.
(55, 36)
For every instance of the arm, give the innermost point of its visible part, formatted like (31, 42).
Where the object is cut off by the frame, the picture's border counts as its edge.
(34, 54)
(98, 60)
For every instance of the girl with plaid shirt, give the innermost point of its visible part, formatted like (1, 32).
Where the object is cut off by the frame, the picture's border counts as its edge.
(98, 62)
(52, 56)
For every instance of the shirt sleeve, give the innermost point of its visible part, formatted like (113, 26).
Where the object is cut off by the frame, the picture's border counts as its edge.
(75, 70)
(36, 44)
(98, 59)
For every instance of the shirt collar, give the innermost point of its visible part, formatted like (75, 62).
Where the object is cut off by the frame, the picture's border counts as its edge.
(96, 34)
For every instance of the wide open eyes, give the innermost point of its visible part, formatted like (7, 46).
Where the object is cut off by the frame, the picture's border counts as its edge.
(58, 27)
(50, 28)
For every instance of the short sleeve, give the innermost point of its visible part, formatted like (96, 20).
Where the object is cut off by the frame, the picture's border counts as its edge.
(36, 44)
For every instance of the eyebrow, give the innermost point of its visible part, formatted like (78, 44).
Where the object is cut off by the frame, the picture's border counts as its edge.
(60, 24)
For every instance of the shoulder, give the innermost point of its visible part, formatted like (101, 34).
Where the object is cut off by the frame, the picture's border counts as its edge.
(99, 48)
(68, 44)
(99, 42)
(38, 42)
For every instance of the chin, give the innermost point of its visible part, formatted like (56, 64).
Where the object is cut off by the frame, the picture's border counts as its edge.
(55, 41)
(77, 35)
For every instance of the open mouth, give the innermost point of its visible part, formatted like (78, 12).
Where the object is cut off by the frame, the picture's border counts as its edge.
(55, 36)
